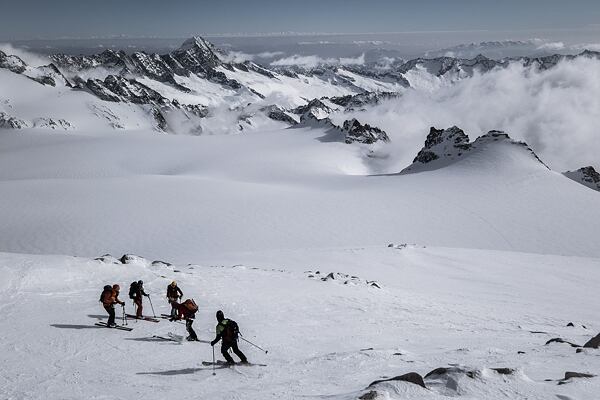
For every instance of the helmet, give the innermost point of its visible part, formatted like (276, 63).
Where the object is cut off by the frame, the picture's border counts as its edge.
(116, 287)
(140, 282)
(220, 316)
(173, 283)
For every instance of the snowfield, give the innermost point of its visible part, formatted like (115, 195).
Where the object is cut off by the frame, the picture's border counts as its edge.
(502, 254)
(437, 307)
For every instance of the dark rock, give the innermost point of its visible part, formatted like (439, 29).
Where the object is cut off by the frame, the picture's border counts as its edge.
(159, 118)
(12, 63)
(357, 132)
(411, 377)
(504, 371)
(593, 343)
(520, 352)
(277, 113)
(130, 258)
(587, 176)
(107, 258)
(160, 263)
(449, 142)
(569, 375)
(560, 340)
(370, 395)
(570, 324)
(10, 122)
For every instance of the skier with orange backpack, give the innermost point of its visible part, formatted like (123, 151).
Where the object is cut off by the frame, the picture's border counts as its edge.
(188, 310)
(110, 297)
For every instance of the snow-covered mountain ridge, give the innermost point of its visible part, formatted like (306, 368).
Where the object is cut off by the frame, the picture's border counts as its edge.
(190, 89)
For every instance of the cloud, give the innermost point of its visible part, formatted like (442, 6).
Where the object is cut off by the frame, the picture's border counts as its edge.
(314, 61)
(555, 111)
(32, 59)
(552, 46)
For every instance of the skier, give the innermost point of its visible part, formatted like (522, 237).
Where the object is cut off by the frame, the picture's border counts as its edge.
(110, 297)
(227, 331)
(188, 310)
(136, 291)
(173, 296)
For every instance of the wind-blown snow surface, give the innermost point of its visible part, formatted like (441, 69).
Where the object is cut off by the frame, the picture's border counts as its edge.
(436, 307)
(180, 197)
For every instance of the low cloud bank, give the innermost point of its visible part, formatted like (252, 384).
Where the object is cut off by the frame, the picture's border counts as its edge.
(556, 111)
(315, 61)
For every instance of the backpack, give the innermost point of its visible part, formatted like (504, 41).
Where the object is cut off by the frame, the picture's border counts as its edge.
(190, 305)
(107, 290)
(133, 289)
(231, 331)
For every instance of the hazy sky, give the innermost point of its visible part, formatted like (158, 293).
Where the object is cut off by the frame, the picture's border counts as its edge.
(44, 19)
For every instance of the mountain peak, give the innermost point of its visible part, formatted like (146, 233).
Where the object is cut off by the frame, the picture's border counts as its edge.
(198, 51)
(587, 176)
(447, 146)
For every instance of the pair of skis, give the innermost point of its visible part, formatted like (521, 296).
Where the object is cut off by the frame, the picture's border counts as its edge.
(120, 327)
(149, 319)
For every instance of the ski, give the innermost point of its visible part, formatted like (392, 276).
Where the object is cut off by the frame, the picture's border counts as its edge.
(121, 327)
(149, 319)
(238, 364)
(167, 316)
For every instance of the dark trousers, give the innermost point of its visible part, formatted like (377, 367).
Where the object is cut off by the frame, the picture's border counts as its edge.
(138, 303)
(225, 346)
(111, 314)
(188, 327)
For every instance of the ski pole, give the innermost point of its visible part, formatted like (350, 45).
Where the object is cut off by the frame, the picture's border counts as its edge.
(258, 347)
(151, 306)
(214, 373)
(124, 316)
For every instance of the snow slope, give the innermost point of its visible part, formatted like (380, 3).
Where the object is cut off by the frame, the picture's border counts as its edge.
(181, 197)
(437, 307)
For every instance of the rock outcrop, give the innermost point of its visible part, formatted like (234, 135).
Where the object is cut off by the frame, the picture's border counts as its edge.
(587, 176)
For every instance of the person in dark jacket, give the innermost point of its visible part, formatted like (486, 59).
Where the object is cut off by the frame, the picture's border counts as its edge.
(173, 296)
(110, 297)
(138, 292)
(227, 332)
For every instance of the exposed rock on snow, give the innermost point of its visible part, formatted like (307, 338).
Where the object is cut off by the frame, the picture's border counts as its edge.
(51, 123)
(560, 340)
(359, 101)
(569, 376)
(10, 122)
(447, 146)
(133, 259)
(411, 377)
(593, 343)
(12, 63)
(117, 88)
(367, 134)
(341, 278)
(314, 110)
(587, 176)
(277, 113)
(108, 259)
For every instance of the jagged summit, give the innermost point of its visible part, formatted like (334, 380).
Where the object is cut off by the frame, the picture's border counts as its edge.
(197, 50)
(444, 147)
(587, 176)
